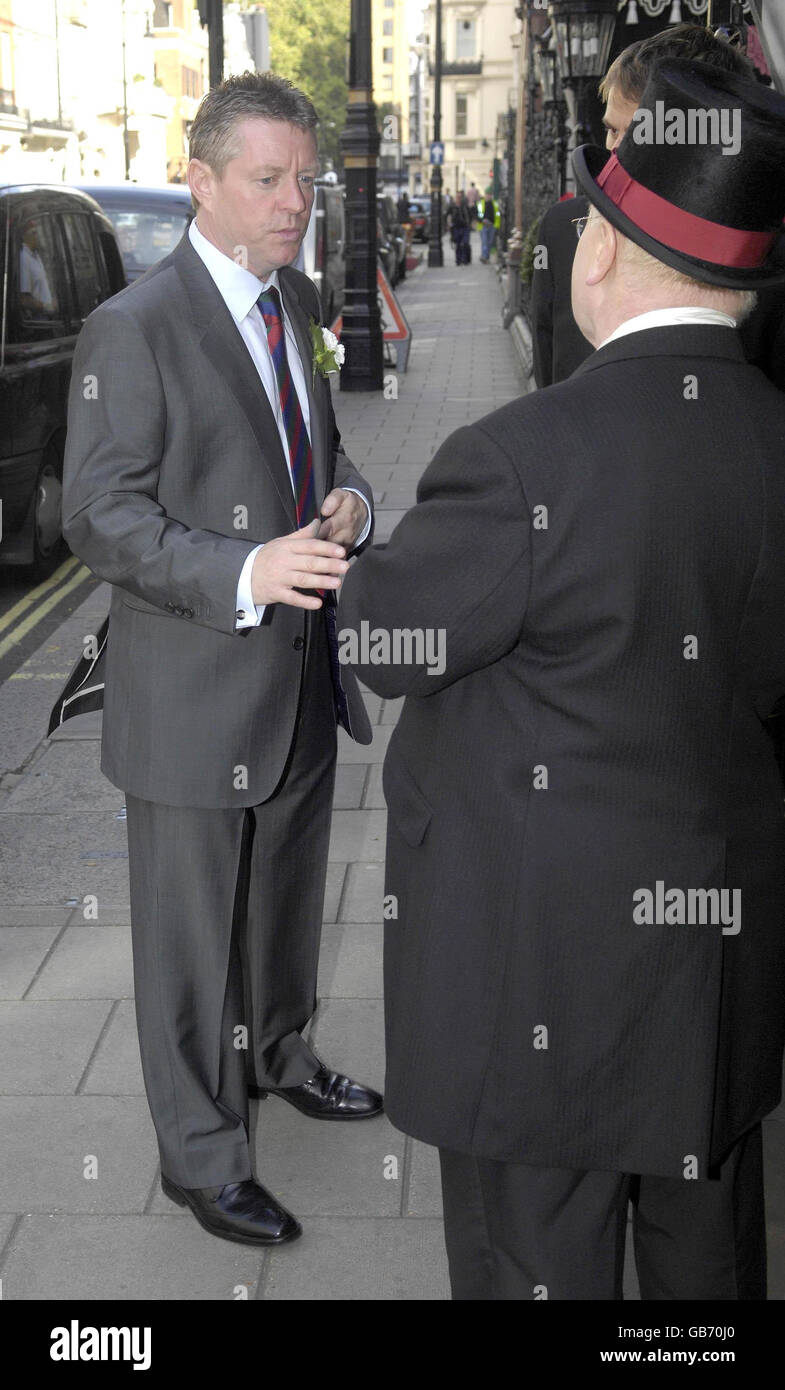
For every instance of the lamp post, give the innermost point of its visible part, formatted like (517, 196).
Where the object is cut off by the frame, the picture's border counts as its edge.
(363, 369)
(435, 248)
(211, 15)
(583, 30)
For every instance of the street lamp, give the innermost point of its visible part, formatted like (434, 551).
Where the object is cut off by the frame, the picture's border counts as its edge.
(583, 30)
(435, 248)
(363, 368)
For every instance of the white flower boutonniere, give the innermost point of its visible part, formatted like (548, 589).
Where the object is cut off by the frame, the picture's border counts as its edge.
(328, 353)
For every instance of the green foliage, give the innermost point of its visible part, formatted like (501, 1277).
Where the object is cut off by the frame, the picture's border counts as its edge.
(527, 251)
(309, 45)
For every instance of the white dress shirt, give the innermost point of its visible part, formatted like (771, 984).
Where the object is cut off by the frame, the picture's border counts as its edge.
(240, 290)
(659, 318)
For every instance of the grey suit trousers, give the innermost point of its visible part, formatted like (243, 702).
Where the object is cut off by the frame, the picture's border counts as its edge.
(226, 910)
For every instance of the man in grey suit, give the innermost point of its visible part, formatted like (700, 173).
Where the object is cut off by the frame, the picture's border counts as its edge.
(206, 481)
(584, 981)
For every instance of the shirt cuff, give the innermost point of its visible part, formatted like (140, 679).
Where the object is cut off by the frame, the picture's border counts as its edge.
(247, 613)
(364, 534)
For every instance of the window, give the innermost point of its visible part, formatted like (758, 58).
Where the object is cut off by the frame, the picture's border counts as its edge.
(461, 113)
(387, 82)
(465, 38)
(387, 27)
(40, 297)
(388, 4)
(387, 55)
(84, 270)
(146, 236)
(191, 82)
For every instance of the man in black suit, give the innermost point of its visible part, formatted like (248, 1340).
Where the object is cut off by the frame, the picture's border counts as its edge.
(558, 346)
(584, 980)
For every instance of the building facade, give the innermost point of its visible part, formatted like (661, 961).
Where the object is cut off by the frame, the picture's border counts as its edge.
(477, 86)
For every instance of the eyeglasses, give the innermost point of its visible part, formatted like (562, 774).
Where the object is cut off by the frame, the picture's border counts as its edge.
(579, 223)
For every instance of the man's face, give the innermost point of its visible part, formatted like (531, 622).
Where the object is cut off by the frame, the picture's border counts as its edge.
(263, 200)
(619, 112)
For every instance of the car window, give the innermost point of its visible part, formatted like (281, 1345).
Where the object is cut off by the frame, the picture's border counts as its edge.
(145, 237)
(86, 273)
(39, 304)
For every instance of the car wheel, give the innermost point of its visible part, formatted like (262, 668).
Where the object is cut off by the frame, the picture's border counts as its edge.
(48, 544)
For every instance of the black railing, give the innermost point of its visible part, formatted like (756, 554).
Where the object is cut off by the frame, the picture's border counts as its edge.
(462, 67)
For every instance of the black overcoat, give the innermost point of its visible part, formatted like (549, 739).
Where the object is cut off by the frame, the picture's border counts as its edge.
(607, 561)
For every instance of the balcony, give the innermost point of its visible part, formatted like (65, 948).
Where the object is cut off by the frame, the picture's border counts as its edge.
(460, 67)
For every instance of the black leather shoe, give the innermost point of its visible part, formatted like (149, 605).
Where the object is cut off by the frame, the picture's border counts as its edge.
(242, 1211)
(327, 1096)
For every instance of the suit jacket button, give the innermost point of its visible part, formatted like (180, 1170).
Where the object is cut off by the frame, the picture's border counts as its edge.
(298, 643)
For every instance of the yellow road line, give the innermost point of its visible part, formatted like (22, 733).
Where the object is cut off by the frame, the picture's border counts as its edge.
(35, 617)
(34, 595)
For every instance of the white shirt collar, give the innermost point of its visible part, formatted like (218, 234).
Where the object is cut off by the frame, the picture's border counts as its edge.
(239, 288)
(659, 318)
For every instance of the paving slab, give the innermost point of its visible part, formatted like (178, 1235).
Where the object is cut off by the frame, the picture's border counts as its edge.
(363, 896)
(357, 835)
(54, 857)
(89, 962)
(424, 1196)
(116, 1066)
(349, 785)
(350, 961)
(73, 1258)
(364, 1261)
(65, 779)
(45, 1047)
(22, 950)
(46, 1141)
(318, 1168)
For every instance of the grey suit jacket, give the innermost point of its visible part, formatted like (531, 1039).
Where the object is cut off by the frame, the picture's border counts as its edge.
(174, 471)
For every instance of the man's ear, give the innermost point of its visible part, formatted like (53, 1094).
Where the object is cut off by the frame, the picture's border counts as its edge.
(200, 181)
(603, 253)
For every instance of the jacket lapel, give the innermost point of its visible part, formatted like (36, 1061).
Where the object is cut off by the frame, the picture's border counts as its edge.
(224, 346)
(300, 321)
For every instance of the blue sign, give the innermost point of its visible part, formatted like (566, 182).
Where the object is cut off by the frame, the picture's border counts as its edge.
(437, 152)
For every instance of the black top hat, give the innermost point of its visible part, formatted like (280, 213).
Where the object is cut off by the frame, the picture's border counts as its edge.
(699, 179)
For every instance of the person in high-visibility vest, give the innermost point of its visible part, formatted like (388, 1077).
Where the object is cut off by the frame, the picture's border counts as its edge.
(487, 214)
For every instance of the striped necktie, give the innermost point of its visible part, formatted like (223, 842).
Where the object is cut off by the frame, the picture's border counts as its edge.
(301, 464)
(300, 456)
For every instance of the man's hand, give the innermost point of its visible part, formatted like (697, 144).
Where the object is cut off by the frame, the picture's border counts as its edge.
(347, 515)
(298, 561)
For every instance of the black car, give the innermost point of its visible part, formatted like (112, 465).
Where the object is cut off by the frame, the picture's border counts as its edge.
(59, 259)
(420, 218)
(393, 237)
(149, 222)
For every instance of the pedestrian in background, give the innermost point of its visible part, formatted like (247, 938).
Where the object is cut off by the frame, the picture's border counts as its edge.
(488, 229)
(404, 217)
(460, 229)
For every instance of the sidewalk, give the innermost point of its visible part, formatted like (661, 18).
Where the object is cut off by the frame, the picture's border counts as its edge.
(71, 1089)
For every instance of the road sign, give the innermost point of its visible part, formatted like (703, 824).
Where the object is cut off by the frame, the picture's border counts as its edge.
(437, 152)
(395, 329)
